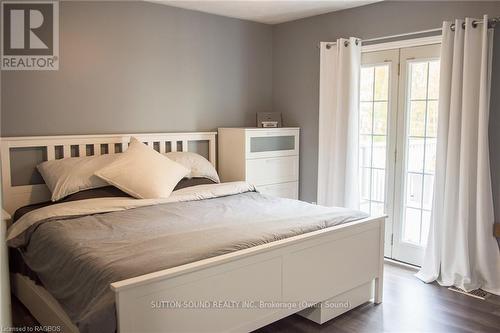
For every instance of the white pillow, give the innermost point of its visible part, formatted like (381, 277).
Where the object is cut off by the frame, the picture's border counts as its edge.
(70, 175)
(143, 173)
(199, 165)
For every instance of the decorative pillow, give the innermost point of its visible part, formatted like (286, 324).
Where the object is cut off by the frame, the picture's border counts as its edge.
(143, 173)
(70, 175)
(200, 167)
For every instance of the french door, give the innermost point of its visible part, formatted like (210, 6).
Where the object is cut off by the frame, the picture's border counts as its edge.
(397, 144)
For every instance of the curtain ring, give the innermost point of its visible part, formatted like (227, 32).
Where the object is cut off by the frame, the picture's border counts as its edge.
(474, 24)
(463, 25)
(493, 22)
(357, 41)
(452, 27)
(346, 43)
(328, 46)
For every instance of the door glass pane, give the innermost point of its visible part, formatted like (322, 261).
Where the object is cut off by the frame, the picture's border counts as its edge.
(415, 154)
(381, 83)
(364, 206)
(366, 122)
(380, 118)
(433, 80)
(378, 208)
(379, 151)
(430, 155)
(432, 118)
(417, 118)
(366, 84)
(411, 233)
(413, 190)
(373, 125)
(428, 191)
(420, 149)
(418, 79)
(365, 181)
(378, 185)
(365, 150)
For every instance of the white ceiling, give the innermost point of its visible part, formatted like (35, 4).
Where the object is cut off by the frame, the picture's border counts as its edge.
(266, 11)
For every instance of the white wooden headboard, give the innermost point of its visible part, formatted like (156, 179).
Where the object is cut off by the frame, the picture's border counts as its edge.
(14, 197)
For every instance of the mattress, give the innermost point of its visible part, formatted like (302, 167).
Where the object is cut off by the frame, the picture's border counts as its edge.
(78, 248)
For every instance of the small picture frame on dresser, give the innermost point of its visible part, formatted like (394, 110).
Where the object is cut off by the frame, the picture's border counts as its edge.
(269, 119)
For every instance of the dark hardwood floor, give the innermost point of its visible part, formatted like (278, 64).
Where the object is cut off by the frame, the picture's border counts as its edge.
(409, 306)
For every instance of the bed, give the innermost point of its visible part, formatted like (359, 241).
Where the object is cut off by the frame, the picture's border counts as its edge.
(213, 257)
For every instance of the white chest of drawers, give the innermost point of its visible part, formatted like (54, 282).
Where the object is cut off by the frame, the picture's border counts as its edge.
(265, 157)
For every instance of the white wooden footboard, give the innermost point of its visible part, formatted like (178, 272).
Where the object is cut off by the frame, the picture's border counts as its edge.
(248, 289)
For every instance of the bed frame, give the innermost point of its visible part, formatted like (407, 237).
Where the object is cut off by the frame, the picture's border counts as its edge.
(319, 275)
(56, 147)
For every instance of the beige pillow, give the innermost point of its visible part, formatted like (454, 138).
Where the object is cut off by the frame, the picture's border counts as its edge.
(143, 173)
(70, 175)
(198, 165)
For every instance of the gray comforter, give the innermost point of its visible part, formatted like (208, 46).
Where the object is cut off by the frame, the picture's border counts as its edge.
(78, 257)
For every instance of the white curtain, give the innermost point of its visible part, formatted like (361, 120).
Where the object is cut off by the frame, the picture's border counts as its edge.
(462, 250)
(338, 123)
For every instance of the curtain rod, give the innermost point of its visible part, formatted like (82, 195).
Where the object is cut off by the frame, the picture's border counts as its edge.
(329, 45)
(402, 35)
(491, 24)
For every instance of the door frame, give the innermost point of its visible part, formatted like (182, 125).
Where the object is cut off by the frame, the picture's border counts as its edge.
(403, 251)
(396, 136)
(382, 58)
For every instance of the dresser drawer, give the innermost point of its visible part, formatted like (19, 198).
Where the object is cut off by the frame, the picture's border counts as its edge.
(264, 171)
(272, 143)
(283, 190)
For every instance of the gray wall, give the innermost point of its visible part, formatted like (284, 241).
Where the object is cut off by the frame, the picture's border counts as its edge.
(143, 67)
(296, 66)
